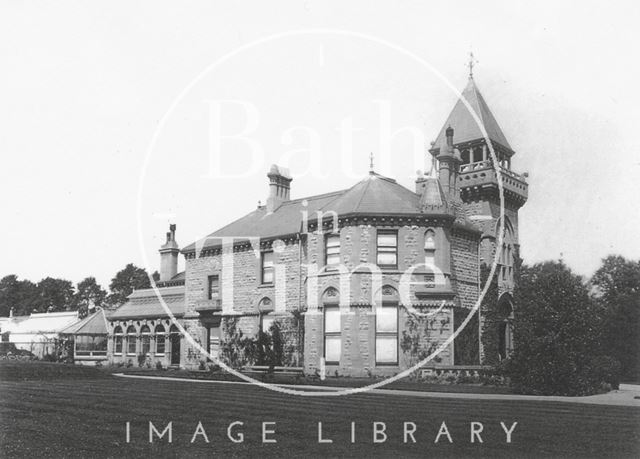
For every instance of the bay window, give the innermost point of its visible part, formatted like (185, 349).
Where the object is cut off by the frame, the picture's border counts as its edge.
(387, 335)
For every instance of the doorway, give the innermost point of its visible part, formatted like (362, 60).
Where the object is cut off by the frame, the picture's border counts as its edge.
(175, 339)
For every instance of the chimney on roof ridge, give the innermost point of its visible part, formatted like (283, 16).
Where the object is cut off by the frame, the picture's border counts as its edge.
(279, 187)
(169, 256)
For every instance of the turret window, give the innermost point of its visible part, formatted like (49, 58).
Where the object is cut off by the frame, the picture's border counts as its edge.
(387, 253)
(332, 249)
(387, 335)
(430, 248)
(332, 335)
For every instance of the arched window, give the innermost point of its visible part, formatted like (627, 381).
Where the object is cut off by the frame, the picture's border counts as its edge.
(160, 340)
(131, 340)
(505, 327)
(145, 333)
(430, 248)
(465, 157)
(117, 340)
(387, 328)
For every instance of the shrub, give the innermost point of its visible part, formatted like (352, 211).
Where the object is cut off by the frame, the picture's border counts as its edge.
(129, 363)
(557, 348)
(159, 365)
(141, 360)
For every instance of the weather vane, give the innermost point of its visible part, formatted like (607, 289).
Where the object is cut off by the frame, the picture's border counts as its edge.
(472, 62)
(371, 161)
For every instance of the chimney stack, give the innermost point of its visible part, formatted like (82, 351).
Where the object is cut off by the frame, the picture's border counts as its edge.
(449, 161)
(169, 256)
(279, 187)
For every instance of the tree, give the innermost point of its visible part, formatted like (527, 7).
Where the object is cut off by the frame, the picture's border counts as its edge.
(19, 295)
(616, 286)
(125, 282)
(89, 294)
(54, 295)
(557, 330)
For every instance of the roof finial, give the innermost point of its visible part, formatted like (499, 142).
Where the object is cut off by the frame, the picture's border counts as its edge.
(371, 162)
(472, 62)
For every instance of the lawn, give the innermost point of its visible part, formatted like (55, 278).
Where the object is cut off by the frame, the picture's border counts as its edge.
(47, 411)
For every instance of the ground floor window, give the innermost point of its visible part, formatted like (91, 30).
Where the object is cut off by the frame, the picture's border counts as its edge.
(214, 341)
(91, 345)
(387, 335)
(145, 339)
(332, 335)
(266, 321)
(160, 340)
(117, 341)
(131, 340)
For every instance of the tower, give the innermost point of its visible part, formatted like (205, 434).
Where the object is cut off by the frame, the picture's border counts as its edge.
(477, 185)
(477, 181)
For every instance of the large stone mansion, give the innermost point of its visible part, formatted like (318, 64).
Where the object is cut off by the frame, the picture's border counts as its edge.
(361, 281)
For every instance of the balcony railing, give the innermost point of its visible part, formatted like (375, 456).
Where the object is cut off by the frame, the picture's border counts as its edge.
(488, 164)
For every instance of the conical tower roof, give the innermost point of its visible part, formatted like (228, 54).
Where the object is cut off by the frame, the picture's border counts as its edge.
(465, 126)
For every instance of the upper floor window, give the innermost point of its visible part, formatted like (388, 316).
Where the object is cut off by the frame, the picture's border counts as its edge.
(430, 248)
(387, 248)
(332, 250)
(213, 291)
(267, 271)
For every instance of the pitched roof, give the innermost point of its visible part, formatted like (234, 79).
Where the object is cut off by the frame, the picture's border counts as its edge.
(465, 126)
(373, 195)
(93, 324)
(48, 322)
(144, 303)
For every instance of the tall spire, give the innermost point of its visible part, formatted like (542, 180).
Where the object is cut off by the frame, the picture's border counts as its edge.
(465, 124)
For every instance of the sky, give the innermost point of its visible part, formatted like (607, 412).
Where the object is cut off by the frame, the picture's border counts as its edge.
(107, 113)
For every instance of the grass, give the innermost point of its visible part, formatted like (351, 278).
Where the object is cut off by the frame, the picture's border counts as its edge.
(329, 381)
(65, 411)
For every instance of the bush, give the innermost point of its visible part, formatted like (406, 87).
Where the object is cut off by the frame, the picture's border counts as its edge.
(159, 365)
(557, 348)
(141, 360)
